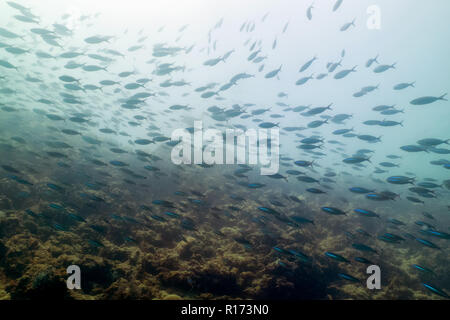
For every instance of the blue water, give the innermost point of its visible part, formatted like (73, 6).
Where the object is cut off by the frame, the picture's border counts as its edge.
(91, 93)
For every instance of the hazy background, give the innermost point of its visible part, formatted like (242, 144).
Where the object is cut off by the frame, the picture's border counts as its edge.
(414, 34)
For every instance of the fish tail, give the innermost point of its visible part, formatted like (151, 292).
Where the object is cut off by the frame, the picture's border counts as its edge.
(442, 97)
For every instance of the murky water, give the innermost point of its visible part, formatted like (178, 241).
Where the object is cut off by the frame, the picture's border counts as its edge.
(351, 94)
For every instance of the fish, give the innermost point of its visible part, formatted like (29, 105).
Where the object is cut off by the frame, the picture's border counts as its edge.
(390, 238)
(427, 100)
(301, 220)
(435, 233)
(355, 160)
(363, 260)
(6, 64)
(363, 247)
(8, 34)
(413, 148)
(309, 12)
(143, 142)
(366, 213)
(304, 163)
(428, 215)
(336, 257)
(316, 123)
(268, 125)
(436, 290)
(348, 277)
(307, 179)
(388, 164)
(304, 80)
(268, 210)
(383, 68)
(347, 25)
(422, 269)
(97, 39)
(371, 61)
(427, 243)
(273, 73)
(403, 85)
(400, 180)
(333, 211)
(315, 191)
(344, 73)
(337, 5)
(307, 64)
